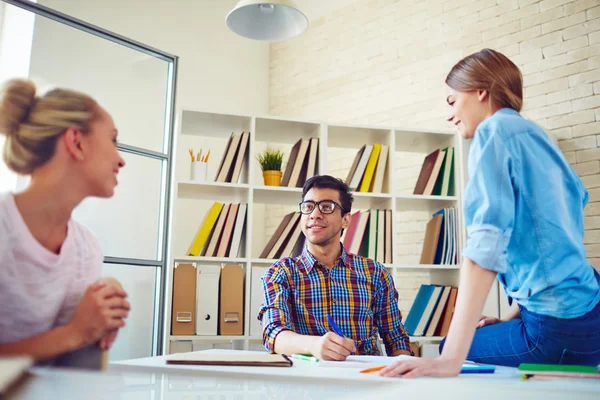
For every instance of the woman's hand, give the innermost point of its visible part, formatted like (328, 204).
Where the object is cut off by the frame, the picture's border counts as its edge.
(422, 367)
(485, 321)
(102, 310)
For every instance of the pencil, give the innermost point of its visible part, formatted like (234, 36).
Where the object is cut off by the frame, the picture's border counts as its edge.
(374, 369)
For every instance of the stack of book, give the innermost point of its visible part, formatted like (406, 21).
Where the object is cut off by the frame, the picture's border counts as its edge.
(288, 239)
(432, 311)
(437, 174)
(233, 158)
(368, 169)
(302, 164)
(441, 238)
(370, 235)
(220, 234)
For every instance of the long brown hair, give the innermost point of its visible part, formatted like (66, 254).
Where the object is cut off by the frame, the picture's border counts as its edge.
(492, 71)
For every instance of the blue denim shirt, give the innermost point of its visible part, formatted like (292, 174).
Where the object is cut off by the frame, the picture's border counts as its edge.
(523, 209)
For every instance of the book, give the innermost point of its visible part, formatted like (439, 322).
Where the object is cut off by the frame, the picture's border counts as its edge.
(426, 170)
(372, 229)
(559, 371)
(349, 232)
(435, 171)
(359, 233)
(205, 229)
(440, 251)
(313, 154)
(418, 307)
(428, 311)
(217, 232)
(442, 329)
(388, 236)
(240, 222)
(432, 235)
(241, 156)
(230, 359)
(360, 168)
(227, 231)
(223, 156)
(289, 166)
(354, 165)
(378, 178)
(365, 185)
(300, 165)
(439, 311)
(282, 225)
(226, 169)
(380, 253)
(284, 237)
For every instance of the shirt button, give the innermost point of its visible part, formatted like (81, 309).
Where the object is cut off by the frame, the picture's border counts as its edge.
(334, 301)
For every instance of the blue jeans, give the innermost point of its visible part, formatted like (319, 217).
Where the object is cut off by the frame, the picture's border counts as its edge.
(541, 339)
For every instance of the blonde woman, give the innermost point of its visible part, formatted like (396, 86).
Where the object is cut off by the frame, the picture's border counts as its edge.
(52, 298)
(523, 209)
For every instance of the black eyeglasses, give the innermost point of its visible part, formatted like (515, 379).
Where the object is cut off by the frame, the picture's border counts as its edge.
(325, 206)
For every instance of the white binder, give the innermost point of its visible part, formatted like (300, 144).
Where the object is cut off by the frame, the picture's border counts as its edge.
(256, 297)
(207, 300)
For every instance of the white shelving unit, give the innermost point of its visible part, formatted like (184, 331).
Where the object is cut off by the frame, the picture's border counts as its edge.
(198, 129)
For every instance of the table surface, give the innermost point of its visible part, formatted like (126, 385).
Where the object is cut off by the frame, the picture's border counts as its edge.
(152, 378)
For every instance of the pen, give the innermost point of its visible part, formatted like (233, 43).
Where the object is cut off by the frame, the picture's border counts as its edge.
(305, 357)
(374, 369)
(334, 326)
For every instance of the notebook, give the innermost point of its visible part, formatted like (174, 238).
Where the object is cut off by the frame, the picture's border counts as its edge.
(11, 369)
(243, 360)
(559, 371)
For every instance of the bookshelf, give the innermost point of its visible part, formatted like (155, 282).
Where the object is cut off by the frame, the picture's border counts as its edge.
(338, 145)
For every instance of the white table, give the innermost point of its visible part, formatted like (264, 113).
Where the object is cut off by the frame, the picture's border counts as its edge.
(152, 378)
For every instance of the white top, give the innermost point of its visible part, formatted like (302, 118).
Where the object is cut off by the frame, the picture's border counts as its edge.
(39, 290)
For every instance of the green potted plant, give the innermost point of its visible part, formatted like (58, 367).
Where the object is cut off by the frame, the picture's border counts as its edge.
(270, 162)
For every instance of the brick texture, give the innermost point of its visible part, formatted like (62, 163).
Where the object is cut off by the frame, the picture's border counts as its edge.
(384, 62)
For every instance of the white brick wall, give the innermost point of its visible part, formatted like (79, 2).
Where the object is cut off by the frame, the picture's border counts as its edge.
(384, 62)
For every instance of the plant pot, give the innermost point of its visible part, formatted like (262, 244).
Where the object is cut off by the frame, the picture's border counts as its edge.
(272, 178)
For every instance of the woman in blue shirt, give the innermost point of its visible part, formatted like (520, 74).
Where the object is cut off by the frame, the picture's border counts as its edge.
(523, 208)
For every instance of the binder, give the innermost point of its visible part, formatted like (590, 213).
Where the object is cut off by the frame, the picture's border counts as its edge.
(183, 314)
(207, 308)
(231, 314)
(256, 298)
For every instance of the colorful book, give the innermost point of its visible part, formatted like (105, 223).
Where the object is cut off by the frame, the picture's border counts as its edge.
(432, 236)
(378, 179)
(426, 170)
(365, 185)
(236, 240)
(360, 168)
(225, 240)
(217, 232)
(418, 307)
(559, 371)
(205, 229)
(428, 311)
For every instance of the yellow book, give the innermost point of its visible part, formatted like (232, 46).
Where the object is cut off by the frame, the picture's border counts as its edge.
(370, 170)
(205, 228)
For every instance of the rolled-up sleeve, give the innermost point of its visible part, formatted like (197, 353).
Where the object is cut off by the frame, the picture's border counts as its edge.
(387, 316)
(274, 311)
(489, 202)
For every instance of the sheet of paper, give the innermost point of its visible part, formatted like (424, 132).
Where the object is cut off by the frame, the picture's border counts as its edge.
(363, 361)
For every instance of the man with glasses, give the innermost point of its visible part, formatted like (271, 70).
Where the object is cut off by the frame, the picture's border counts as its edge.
(356, 293)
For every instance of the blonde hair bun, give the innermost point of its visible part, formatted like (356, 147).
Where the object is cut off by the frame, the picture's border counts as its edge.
(18, 97)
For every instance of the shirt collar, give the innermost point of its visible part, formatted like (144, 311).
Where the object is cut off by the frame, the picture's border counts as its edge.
(307, 261)
(507, 110)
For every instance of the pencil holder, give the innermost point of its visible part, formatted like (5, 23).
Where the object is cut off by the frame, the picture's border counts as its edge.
(198, 171)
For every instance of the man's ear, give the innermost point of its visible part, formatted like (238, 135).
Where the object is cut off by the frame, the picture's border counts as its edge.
(482, 94)
(346, 219)
(72, 139)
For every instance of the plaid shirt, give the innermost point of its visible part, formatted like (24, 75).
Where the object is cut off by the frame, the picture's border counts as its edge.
(359, 293)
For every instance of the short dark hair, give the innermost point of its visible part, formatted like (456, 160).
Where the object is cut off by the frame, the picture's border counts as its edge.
(329, 182)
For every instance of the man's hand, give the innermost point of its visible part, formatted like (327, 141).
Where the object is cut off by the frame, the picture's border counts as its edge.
(331, 347)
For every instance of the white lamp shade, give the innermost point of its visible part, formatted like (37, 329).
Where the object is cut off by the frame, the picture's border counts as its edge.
(266, 20)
